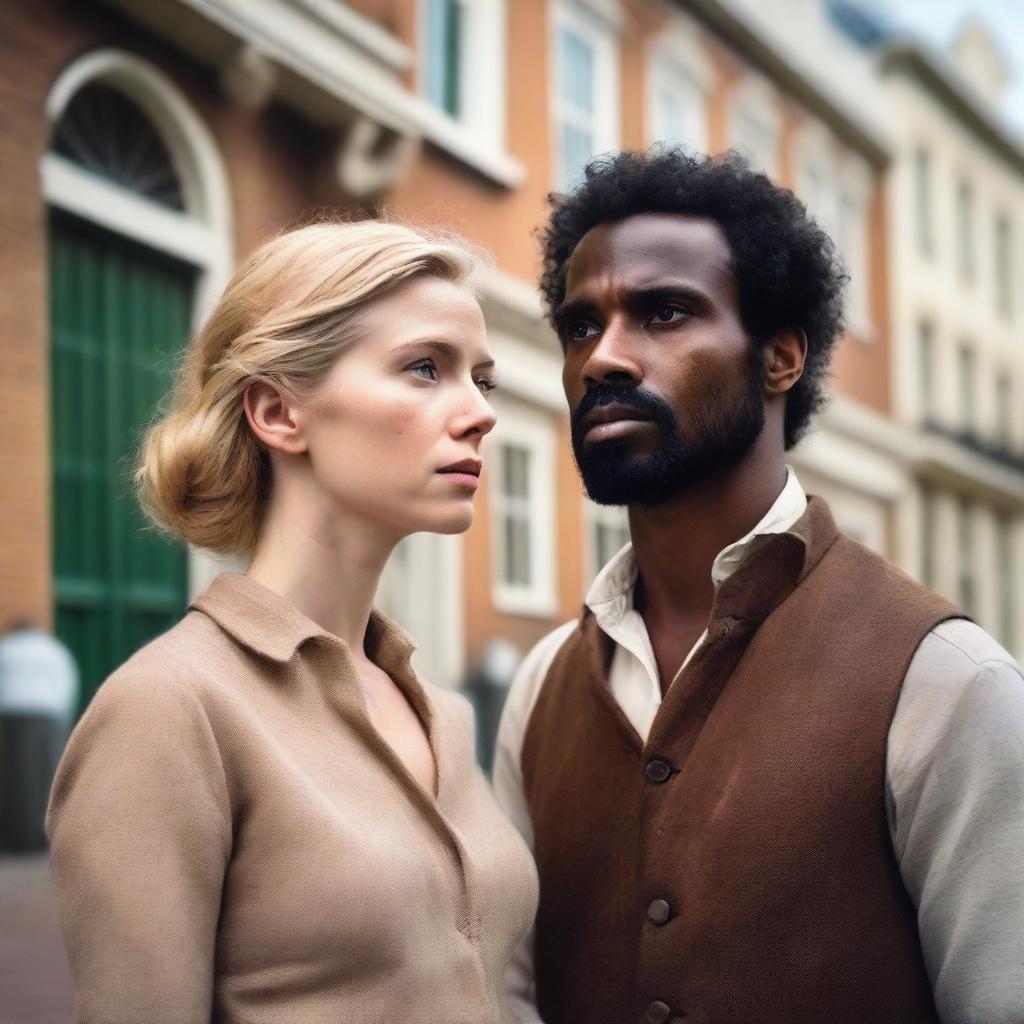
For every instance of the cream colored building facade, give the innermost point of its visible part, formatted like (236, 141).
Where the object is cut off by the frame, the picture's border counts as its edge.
(958, 322)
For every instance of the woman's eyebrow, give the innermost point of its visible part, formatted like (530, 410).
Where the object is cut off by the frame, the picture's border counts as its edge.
(446, 349)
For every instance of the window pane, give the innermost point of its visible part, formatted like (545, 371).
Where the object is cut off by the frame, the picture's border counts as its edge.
(678, 116)
(517, 551)
(1004, 272)
(966, 367)
(756, 139)
(966, 558)
(1004, 410)
(926, 355)
(923, 200)
(516, 472)
(965, 230)
(577, 149)
(927, 538)
(608, 539)
(577, 73)
(444, 51)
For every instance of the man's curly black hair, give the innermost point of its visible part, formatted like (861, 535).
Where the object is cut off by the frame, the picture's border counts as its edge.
(787, 270)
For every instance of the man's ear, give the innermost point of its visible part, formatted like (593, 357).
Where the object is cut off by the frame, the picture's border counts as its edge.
(784, 355)
(272, 417)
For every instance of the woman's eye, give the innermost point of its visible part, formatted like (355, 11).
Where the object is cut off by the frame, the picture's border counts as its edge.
(486, 385)
(425, 368)
(668, 314)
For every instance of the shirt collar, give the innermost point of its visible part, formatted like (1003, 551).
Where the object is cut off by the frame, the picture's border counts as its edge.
(610, 596)
(271, 626)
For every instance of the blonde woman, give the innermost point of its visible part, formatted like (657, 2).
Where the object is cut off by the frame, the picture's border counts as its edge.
(264, 815)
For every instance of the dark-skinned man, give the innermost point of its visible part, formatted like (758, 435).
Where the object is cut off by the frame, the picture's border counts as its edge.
(766, 776)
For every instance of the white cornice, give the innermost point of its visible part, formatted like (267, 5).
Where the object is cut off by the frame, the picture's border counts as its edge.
(328, 76)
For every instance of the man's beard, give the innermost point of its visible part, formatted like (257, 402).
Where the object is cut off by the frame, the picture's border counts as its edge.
(722, 429)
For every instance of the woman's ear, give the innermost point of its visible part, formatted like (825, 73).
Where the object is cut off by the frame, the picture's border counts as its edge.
(784, 357)
(272, 418)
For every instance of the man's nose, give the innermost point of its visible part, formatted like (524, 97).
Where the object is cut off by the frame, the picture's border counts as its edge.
(613, 357)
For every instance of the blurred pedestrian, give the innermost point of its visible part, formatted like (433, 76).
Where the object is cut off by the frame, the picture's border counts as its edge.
(38, 695)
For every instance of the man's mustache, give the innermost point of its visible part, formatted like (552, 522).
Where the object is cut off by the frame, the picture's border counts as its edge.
(650, 405)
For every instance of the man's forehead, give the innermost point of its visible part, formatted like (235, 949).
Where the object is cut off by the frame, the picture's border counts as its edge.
(651, 245)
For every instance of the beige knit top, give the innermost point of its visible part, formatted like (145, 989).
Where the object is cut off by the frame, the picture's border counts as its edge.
(234, 842)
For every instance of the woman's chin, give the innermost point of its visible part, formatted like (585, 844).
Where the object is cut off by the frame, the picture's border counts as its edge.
(453, 521)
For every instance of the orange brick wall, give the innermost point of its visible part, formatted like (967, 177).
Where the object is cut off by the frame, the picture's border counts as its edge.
(271, 161)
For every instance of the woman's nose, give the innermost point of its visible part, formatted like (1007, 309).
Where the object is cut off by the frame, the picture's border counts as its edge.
(476, 417)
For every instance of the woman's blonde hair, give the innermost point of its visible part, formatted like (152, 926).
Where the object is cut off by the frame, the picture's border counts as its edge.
(283, 319)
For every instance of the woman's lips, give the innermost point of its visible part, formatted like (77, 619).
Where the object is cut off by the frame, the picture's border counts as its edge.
(461, 479)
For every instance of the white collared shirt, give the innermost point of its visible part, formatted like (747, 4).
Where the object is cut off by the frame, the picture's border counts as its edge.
(954, 780)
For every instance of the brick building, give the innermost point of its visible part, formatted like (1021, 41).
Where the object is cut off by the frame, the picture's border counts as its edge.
(147, 144)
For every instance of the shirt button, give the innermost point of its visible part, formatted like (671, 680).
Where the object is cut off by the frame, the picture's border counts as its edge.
(658, 770)
(657, 1012)
(659, 911)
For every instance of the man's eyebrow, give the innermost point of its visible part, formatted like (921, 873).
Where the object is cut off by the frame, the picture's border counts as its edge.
(567, 311)
(642, 295)
(444, 348)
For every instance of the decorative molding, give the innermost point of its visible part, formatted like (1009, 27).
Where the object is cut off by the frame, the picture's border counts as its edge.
(325, 76)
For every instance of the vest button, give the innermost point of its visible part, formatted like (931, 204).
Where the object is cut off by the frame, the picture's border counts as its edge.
(658, 770)
(659, 911)
(657, 1012)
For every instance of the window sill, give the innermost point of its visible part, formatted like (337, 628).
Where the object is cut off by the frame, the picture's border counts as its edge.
(510, 601)
(462, 143)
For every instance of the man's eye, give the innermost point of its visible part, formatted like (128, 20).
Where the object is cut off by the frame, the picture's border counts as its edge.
(581, 331)
(668, 315)
(425, 368)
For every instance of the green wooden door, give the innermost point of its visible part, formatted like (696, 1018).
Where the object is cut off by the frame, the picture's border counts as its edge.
(119, 316)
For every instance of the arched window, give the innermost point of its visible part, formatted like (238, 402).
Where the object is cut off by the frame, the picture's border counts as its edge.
(104, 132)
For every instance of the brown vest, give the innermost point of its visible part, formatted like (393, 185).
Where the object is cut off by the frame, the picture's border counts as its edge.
(737, 868)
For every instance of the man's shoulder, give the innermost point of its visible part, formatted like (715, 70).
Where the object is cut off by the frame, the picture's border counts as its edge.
(960, 677)
(957, 654)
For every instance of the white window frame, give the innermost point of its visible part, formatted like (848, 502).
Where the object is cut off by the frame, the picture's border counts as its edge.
(535, 432)
(816, 159)
(754, 100)
(597, 25)
(482, 96)
(594, 515)
(853, 233)
(677, 65)
(843, 183)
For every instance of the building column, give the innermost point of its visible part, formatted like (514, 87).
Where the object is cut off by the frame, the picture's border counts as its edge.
(985, 568)
(909, 540)
(946, 546)
(1017, 548)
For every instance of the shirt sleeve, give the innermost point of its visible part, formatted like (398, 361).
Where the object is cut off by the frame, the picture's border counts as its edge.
(956, 804)
(508, 788)
(140, 833)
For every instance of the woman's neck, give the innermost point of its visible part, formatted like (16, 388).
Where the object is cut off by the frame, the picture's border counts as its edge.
(326, 564)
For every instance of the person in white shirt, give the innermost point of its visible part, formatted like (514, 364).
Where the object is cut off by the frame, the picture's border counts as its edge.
(38, 693)
(747, 804)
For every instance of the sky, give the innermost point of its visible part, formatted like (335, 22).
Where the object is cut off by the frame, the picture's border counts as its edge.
(938, 21)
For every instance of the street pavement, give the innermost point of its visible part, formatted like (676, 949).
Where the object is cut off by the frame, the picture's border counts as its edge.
(35, 983)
